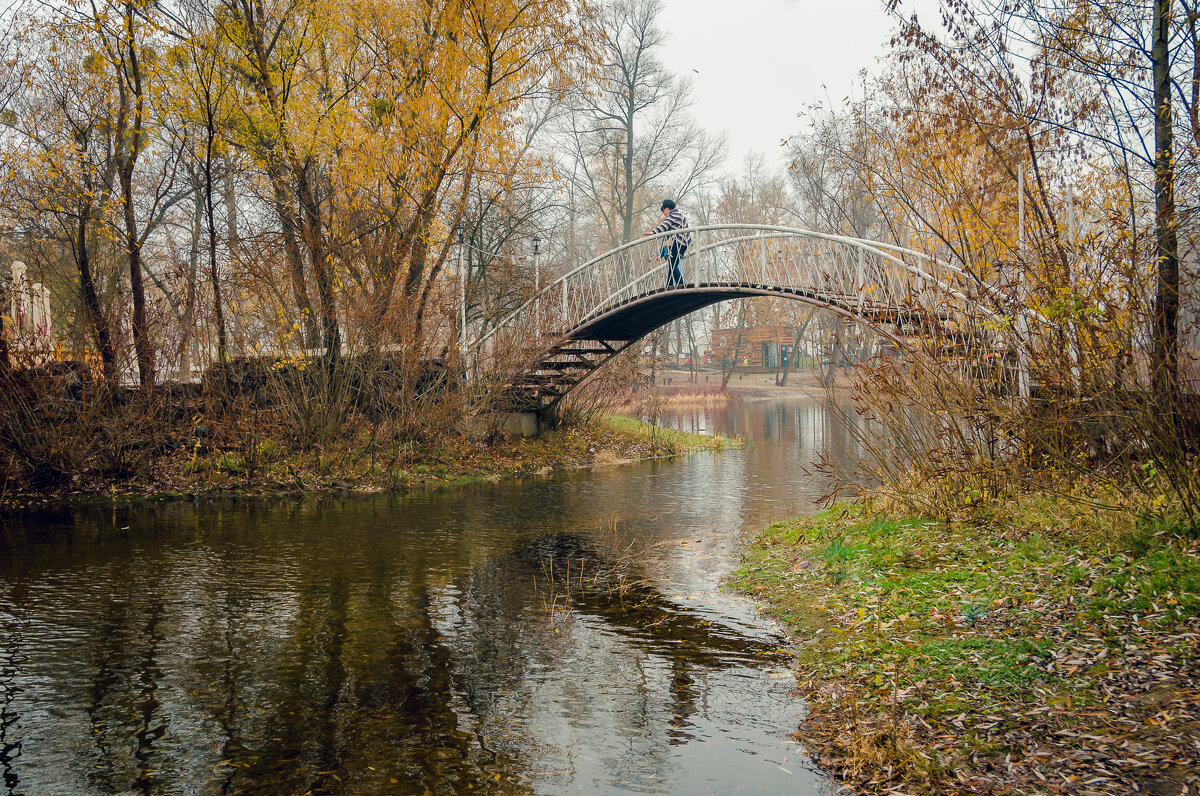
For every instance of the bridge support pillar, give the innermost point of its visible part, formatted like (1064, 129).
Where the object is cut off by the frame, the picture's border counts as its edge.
(517, 424)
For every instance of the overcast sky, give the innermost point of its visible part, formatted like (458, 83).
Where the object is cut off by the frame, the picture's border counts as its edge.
(756, 64)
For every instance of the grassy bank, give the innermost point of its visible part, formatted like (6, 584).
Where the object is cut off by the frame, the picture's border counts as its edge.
(1043, 654)
(364, 463)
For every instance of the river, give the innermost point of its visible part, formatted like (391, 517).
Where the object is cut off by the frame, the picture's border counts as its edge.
(557, 635)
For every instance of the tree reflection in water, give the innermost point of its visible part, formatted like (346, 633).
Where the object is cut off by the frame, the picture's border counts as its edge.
(500, 639)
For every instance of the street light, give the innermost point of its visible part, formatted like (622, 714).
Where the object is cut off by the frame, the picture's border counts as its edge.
(537, 271)
(537, 278)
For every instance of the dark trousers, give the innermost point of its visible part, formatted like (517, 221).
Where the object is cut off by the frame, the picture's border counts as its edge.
(674, 255)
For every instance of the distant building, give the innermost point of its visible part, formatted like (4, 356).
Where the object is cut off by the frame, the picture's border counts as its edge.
(755, 348)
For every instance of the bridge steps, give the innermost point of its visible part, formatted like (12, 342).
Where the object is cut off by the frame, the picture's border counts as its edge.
(558, 372)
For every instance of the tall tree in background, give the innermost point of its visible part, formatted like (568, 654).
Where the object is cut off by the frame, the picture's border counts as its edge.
(288, 109)
(505, 209)
(202, 85)
(1132, 60)
(446, 117)
(831, 184)
(60, 187)
(1164, 368)
(634, 134)
(123, 33)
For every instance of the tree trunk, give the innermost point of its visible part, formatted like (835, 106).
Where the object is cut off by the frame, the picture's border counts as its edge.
(800, 330)
(1164, 363)
(627, 210)
(290, 224)
(187, 322)
(141, 337)
(5, 362)
(130, 148)
(133, 250)
(310, 215)
(231, 213)
(91, 304)
(654, 357)
(88, 295)
(737, 346)
(218, 305)
(694, 375)
(1195, 104)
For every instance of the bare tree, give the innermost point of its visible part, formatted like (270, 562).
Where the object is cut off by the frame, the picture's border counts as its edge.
(202, 74)
(635, 134)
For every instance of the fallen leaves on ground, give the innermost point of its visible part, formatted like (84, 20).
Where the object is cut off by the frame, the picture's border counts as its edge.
(938, 659)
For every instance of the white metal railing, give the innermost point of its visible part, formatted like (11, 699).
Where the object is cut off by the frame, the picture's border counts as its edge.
(853, 273)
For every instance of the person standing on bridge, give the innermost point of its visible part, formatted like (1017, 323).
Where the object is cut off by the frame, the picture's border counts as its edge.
(673, 246)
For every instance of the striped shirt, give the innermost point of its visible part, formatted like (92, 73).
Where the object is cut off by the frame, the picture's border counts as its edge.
(674, 220)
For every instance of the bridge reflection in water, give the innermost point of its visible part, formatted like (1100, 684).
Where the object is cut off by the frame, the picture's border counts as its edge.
(548, 636)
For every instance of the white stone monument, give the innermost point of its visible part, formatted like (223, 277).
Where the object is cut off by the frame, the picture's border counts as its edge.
(28, 310)
(39, 314)
(19, 300)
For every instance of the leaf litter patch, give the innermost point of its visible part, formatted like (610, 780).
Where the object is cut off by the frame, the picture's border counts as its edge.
(938, 658)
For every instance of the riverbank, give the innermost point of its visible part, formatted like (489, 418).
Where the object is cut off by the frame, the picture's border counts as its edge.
(1043, 654)
(747, 386)
(682, 389)
(363, 465)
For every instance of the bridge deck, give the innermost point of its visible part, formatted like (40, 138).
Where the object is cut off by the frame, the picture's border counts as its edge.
(575, 324)
(638, 316)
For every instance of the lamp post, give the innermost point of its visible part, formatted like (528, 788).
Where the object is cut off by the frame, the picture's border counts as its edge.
(537, 279)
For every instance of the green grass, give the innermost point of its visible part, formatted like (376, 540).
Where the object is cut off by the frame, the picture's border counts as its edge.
(943, 621)
(672, 441)
(993, 662)
(1163, 582)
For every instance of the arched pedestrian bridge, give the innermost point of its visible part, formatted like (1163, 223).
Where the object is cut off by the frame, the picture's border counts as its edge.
(575, 324)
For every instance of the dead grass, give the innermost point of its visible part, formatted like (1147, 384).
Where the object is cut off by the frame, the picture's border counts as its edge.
(362, 461)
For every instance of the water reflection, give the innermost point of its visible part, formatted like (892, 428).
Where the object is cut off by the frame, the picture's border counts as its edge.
(564, 635)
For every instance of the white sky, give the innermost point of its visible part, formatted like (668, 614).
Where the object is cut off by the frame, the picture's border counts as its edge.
(759, 63)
